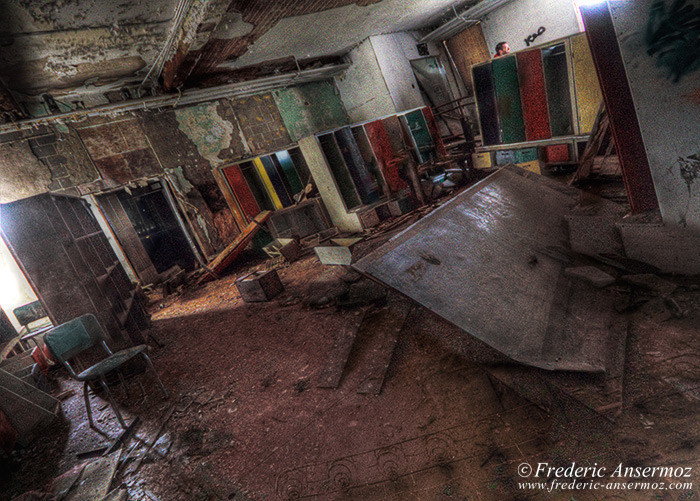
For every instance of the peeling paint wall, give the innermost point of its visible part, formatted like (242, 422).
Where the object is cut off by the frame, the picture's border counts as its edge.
(310, 108)
(184, 144)
(37, 161)
(206, 129)
(667, 103)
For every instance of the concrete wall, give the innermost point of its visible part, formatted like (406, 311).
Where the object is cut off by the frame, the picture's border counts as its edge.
(381, 80)
(394, 52)
(516, 20)
(667, 101)
(362, 88)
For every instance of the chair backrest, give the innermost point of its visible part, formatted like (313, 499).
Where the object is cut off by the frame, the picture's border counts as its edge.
(73, 337)
(29, 313)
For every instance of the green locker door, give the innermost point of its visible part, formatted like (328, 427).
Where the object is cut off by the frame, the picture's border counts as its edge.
(509, 105)
(421, 134)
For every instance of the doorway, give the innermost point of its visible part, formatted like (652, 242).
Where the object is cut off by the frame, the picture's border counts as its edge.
(148, 230)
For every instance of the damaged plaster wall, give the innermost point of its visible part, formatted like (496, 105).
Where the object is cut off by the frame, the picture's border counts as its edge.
(184, 144)
(37, 161)
(207, 130)
(49, 45)
(665, 84)
(310, 108)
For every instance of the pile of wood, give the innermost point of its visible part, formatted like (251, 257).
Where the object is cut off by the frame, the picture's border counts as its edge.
(599, 158)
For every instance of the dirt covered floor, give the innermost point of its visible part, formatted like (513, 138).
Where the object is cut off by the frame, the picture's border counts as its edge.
(246, 419)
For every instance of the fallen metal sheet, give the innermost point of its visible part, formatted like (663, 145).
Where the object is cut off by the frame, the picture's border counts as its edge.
(475, 262)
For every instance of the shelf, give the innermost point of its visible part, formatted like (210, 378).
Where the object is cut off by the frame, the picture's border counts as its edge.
(84, 237)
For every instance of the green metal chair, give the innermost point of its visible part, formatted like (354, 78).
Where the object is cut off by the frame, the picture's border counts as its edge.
(74, 337)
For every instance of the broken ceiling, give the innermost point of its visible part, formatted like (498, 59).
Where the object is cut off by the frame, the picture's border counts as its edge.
(66, 47)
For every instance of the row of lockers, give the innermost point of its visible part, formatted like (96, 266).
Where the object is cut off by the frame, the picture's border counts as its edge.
(538, 93)
(363, 159)
(268, 182)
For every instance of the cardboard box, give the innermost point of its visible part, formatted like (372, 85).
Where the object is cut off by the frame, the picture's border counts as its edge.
(259, 286)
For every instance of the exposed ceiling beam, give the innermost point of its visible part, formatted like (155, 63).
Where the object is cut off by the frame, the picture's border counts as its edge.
(193, 23)
(239, 89)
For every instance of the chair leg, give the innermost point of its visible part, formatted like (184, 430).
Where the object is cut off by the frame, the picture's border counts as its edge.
(150, 364)
(87, 404)
(111, 401)
(123, 383)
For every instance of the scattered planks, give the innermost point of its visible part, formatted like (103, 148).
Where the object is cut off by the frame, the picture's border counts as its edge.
(233, 250)
(338, 358)
(599, 132)
(384, 329)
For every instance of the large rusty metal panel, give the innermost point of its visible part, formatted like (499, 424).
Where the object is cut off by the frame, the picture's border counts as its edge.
(480, 262)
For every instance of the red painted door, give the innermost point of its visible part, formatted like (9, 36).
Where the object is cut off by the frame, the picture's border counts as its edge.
(534, 95)
(241, 191)
(389, 163)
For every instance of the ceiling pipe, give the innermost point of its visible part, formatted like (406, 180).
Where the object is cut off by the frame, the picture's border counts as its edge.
(463, 20)
(239, 89)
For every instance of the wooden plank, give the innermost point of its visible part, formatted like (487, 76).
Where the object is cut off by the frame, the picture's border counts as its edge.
(507, 88)
(624, 124)
(486, 103)
(534, 95)
(340, 351)
(233, 250)
(384, 327)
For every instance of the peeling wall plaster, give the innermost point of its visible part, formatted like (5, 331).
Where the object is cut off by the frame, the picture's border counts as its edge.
(203, 125)
(61, 44)
(23, 175)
